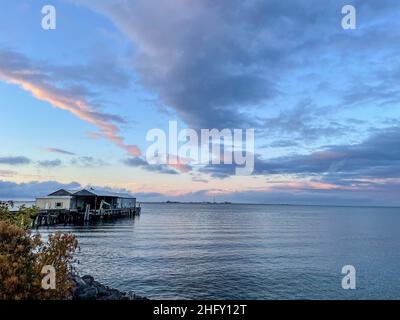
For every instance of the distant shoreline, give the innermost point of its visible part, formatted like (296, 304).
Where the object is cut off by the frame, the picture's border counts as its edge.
(266, 204)
(242, 203)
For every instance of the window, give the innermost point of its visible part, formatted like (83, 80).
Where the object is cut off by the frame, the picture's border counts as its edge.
(59, 204)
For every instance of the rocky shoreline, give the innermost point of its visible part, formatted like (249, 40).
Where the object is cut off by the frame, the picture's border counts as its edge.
(86, 288)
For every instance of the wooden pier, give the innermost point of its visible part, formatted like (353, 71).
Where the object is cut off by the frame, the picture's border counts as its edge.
(55, 217)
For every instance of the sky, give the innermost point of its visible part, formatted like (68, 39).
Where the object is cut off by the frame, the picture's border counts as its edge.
(77, 102)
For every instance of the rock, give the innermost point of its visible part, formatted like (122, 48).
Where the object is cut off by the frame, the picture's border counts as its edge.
(88, 279)
(102, 290)
(86, 288)
(130, 295)
(78, 281)
(86, 293)
(112, 296)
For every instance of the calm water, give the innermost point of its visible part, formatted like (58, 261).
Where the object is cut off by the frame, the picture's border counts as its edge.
(18, 204)
(245, 252)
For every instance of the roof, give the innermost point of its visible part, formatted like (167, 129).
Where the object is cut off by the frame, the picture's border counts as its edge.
(62, 192)
(90, 192)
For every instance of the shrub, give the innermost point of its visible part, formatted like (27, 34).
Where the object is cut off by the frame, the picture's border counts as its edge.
(23, 255)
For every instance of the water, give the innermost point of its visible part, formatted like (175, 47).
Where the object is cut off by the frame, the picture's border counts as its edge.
(18, 204)
(193, 251)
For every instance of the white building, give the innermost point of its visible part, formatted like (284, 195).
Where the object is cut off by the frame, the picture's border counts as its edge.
(78, 200)
(55, 203)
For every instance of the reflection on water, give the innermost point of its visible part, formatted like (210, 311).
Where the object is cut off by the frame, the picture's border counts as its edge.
(194, 251)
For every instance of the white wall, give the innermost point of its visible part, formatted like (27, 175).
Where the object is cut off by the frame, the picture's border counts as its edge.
(51, 203)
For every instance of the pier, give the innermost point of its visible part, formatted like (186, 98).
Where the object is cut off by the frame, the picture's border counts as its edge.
(83, 206)
(54, 217)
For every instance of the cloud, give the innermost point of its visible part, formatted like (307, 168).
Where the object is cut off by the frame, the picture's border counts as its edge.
(14, 161)
(143, 164)
(379, 196)
(33, 189)
(199, 179)
(197, 71)
(60, 151)
(306, 193)
(306, 121)
(84, 161)
(29, 190)
(103, 72)
(150, 196)
(376, 157)
(282, 144)
(217, 64)
(301, 193)
(49, 163)
(88, 162)
(213, 62)
(17, 69)
(109, 189)
(7, 173)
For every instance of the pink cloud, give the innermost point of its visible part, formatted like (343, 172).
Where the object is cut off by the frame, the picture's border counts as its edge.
(66, 100)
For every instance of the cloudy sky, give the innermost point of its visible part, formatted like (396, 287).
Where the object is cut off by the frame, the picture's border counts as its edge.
(76, 102)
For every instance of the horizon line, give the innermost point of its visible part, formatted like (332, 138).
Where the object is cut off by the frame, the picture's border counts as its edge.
(246, 203)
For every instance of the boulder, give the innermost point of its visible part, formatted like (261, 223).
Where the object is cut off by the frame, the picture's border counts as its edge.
(86, 288)
(86, 293)
(88, 279)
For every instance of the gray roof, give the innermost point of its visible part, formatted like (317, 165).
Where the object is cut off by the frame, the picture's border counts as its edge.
(55, 197)
(92, 192)
(61, 192)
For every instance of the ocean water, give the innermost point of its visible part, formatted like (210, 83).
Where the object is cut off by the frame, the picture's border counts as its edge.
(196, 251)
(18, 204)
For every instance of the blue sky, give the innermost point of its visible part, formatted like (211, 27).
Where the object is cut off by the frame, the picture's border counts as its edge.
(77, 102)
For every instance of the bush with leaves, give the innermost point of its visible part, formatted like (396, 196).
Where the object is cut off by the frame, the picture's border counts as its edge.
(23, 255)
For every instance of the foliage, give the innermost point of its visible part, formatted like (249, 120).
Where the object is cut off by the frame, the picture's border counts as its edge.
(23, 255)
(21, 218)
